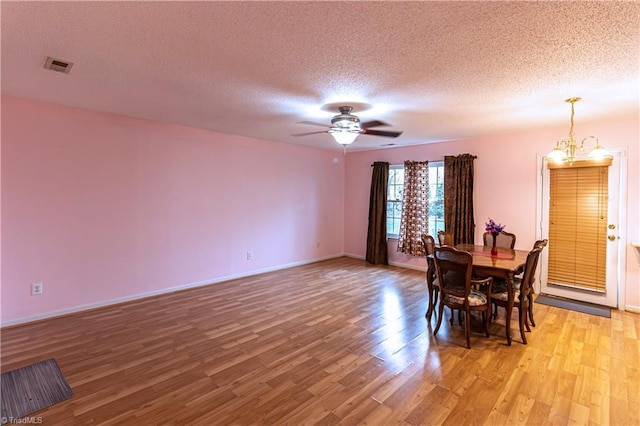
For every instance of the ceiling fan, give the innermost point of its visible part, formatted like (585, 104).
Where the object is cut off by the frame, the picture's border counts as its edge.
(345, 127)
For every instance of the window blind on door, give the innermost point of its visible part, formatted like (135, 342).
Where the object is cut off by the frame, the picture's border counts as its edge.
(578, 227)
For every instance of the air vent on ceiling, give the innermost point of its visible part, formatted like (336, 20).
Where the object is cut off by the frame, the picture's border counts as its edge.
(58, 65)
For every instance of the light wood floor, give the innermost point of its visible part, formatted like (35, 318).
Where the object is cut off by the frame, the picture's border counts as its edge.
(335, 342)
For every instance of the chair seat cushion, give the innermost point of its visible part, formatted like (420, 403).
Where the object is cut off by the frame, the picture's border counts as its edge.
(504, 296)
(476, 298)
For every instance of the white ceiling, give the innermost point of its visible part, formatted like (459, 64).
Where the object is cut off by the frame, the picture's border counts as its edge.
(435, 70)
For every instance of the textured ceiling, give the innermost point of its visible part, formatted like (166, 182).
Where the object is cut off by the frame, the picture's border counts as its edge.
(435, 70)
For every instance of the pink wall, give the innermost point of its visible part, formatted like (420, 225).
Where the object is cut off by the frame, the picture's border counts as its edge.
(102, 207)
(505, 187)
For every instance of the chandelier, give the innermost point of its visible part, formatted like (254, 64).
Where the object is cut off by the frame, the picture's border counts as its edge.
(566, 149)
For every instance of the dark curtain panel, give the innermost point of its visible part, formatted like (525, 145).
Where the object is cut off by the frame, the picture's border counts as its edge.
(458, 198)
(377, 233)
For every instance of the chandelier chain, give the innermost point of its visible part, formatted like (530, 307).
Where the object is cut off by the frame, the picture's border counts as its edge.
(571, 134)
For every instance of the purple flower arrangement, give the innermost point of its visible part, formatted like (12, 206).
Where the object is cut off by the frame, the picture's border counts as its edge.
(493, 227)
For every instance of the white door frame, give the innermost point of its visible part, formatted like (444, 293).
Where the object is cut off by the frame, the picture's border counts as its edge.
(542, 227)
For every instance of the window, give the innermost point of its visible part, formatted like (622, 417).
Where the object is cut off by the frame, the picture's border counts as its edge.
(436, 198)
(394, 200)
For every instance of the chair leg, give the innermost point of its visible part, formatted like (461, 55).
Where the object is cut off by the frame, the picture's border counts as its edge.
(524, 305)
(487, 319)
(493, 315)
(522, 317)
(440, 312)
(467, 326)
(533, 323)
(430, 308)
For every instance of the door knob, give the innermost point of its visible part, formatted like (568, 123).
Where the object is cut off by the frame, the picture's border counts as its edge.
(612, 226)
(611, 237)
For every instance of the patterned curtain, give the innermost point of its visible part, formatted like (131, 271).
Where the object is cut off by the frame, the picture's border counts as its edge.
(458, 198)
(377, 233)
(415, 208)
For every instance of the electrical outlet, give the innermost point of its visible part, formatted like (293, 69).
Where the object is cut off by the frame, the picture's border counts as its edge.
(249, 255)
(37, 289)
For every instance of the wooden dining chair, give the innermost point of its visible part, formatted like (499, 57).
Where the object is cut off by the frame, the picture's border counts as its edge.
(517, 280)
(541, 244)
(445, 238)
(453, 270)
(504, 239)
(433, 285)
(522, 292)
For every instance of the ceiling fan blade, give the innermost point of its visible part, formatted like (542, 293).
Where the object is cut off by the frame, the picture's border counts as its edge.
(385, 133)
(312, 123)
(373, 123)
(309, 133)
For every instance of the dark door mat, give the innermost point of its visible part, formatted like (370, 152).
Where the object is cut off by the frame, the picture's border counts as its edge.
(573, 305)
(32, 388)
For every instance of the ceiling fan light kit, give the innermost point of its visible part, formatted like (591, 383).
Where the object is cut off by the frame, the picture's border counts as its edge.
(344, 137)
(345, 127)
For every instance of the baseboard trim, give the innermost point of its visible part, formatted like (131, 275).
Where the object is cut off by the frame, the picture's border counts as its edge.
(631, 308)
(355, 256)
(398, 264)
(409, 266)
(118, 300)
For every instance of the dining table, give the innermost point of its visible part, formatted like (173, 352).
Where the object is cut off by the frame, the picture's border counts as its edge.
(505, 265)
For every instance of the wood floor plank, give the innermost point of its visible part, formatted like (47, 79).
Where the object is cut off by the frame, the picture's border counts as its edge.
(334, 342)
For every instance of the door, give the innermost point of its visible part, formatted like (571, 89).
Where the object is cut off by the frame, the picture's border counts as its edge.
(586, 266)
